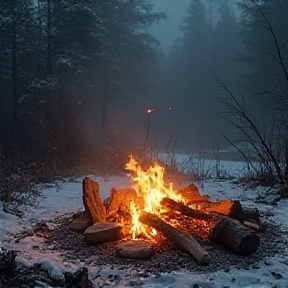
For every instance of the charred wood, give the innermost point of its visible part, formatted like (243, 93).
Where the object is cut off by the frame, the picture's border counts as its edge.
(182, 240)
(249, 214)
(230, 208)
(191, 195)
(120, 201)
(184, 210)
(222, 229)
(235, 236)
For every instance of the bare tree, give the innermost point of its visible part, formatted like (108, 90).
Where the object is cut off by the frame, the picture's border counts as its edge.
(270, 148)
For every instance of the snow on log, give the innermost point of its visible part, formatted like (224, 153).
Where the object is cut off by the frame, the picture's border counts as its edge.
(182, 240)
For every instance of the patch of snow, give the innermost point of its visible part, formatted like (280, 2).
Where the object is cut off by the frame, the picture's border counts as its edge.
(66, 197)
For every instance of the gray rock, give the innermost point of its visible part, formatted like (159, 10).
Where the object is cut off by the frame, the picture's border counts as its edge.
(134, 249)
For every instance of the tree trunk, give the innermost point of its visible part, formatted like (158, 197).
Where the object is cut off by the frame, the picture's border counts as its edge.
(49, 39)
(182, 240)
(14, 70)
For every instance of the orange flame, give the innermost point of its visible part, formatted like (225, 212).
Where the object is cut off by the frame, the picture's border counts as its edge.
(150, 187)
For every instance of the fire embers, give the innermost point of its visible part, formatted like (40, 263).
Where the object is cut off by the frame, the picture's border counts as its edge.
(152, 211)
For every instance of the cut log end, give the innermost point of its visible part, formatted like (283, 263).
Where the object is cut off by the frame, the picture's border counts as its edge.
(80, 224)
(103, 232)
(249, 245)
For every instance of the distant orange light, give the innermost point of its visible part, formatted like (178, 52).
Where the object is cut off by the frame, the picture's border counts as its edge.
(150, 110)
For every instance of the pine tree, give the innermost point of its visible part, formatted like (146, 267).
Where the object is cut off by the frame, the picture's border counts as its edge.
(195, 43)
(261, 55)
(226, 46)
(16, 33)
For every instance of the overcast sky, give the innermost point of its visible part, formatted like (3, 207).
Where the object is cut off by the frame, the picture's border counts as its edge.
(167, 31)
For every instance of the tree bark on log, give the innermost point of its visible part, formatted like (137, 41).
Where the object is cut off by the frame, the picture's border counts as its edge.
(235, 236)
(224, 230)
(182, 240)
(248, 214)
(92, 201)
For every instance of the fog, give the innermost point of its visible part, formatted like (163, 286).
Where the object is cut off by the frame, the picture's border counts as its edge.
(168, 31)
(78, 79)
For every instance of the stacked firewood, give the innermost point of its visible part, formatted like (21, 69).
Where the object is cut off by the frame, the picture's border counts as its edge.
(225, 222)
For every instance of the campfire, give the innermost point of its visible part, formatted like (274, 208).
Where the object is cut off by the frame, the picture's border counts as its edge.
(152, 210)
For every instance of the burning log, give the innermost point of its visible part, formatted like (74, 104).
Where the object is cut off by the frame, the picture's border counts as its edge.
(119, 207)
(92, 201)
(120, 200)
(191, 195)
(182, 240)
(183, 209)
(229, 232)
(230, 208)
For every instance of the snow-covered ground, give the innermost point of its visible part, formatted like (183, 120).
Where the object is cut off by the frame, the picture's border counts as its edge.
(66, 197)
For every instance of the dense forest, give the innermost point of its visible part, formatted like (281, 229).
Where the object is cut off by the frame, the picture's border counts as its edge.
(76, 78)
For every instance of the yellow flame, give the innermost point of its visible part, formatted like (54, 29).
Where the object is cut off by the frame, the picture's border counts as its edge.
(150, 188)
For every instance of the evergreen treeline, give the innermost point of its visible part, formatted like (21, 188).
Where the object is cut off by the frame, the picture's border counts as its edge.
(233, 43)
(62, 62)
(67, 68)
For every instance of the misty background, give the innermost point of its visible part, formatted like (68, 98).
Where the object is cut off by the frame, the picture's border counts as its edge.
(77, 77)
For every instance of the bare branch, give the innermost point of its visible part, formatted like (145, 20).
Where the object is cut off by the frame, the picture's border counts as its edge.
(262, 147)
(277, 46)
